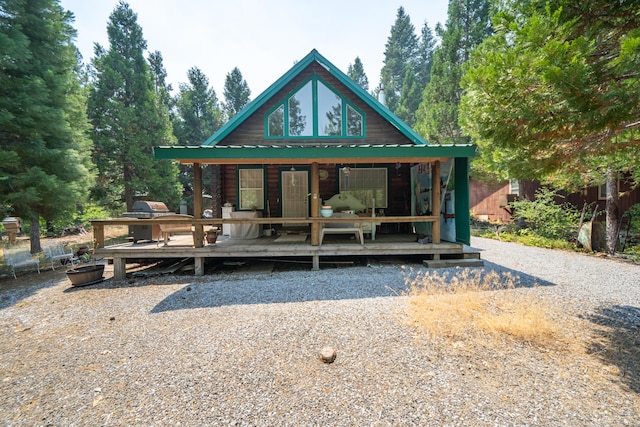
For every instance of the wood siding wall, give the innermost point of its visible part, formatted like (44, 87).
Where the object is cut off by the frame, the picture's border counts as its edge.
(399, 191)
(485, 198)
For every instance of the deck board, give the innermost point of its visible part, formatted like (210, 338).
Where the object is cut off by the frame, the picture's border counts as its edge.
(181, 246)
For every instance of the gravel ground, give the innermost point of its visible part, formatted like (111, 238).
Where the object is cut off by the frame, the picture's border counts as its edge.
(242, 349)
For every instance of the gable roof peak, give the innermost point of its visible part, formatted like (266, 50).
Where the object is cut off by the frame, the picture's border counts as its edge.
(298, 67)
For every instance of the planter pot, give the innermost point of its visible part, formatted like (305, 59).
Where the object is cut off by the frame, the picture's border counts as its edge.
(86, 275)
(211, 236)
(326, 211)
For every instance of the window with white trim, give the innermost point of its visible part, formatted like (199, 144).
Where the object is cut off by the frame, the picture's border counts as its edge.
(250, 189)
(368, 185)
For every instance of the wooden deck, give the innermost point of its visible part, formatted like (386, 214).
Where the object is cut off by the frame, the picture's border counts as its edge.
(181, 246)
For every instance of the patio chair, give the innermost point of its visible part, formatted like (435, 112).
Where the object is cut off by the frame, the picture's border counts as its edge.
(55, 252)
(20, 257)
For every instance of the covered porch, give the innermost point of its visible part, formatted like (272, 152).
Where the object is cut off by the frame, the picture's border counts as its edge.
(288, 244)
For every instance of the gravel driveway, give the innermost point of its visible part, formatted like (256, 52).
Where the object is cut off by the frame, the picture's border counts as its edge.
(242, 349)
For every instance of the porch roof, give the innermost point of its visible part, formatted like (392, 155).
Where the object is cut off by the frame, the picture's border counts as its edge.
(307, 154)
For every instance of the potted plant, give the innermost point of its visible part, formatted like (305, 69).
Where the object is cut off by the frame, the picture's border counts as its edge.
(212, 236)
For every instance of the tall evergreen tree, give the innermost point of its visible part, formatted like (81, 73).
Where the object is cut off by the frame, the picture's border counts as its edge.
(400, 51)
(198, 116)
(426, 48)
(468, 23)
(162, 88)
(44, 163)
(357, 74)
(236, 93)
(416, 77)
(198, 113)
(128, 120)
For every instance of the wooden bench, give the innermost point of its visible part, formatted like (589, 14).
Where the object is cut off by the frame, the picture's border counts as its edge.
(342, 228)
(168, 229)
(20, 257)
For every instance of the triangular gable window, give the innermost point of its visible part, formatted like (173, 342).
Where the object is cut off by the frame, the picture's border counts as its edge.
(315, 110)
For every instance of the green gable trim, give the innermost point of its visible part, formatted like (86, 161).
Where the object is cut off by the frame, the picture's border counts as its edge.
(327, 152)
(279, 84)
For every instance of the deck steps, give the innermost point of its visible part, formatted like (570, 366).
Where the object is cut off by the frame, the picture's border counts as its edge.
(453, 262)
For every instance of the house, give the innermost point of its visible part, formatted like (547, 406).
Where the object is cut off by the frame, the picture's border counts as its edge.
(315, 134)
(315, 138)
(489, 201)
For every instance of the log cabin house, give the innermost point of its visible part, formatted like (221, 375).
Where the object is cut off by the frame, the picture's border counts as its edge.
(315, 138)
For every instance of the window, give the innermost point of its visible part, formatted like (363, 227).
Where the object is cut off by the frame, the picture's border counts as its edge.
(313, 110)
(365, 184)
(514, 186)
(602, 191)
(250, 189)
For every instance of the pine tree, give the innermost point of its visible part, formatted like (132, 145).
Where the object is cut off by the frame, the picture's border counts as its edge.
(44, 163)
(357, 74)
(198, 116)
(468, 23)
(162, 89)
(401, 50)
(129, 120)
(236, 93)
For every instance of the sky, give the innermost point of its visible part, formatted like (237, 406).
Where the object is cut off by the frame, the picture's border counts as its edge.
(262, 38)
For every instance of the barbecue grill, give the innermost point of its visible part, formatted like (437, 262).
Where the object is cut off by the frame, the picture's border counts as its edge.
(145, 210)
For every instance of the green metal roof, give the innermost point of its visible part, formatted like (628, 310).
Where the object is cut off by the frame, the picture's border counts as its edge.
(299, 67)
(297, 153)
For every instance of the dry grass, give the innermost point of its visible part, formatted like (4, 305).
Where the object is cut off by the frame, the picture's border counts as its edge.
(484, 308)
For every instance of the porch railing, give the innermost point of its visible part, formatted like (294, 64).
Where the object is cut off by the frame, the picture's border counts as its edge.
(200, 223)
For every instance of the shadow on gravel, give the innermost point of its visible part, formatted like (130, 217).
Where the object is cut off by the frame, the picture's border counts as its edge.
(12, 291)
(525, 280)
(340, 284)
(617, 341)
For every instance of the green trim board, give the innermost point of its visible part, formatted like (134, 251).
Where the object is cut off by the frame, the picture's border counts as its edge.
(462, 205)
(253, 153)
(298, 68)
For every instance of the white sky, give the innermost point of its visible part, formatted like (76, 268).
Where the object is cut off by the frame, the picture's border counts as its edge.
(263, 39)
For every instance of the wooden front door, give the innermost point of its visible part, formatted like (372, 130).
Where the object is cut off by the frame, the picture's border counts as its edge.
(295, 190)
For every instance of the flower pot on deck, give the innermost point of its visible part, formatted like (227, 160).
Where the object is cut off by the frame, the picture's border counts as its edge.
(211, 236)
(86, 275)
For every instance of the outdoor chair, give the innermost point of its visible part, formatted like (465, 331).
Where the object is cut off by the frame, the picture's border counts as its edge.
(20, 257)
(55, 252)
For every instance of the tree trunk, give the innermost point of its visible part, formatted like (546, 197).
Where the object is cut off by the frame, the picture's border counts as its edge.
(128, 191)
(612, 211)
(34, 234)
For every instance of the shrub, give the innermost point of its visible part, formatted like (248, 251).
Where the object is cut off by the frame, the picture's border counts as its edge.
(547, 218)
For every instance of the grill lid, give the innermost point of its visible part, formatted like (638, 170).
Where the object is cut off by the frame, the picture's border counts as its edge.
(146, 206)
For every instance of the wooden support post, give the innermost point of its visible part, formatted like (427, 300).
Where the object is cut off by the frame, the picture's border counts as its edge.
(316, 262)
(198, 234)
(435, 203)
(119, 268)
(98, 236)
(199, 265)
(315, 204)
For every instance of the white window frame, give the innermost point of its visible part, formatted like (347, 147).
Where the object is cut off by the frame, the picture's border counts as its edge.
(257, 187)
